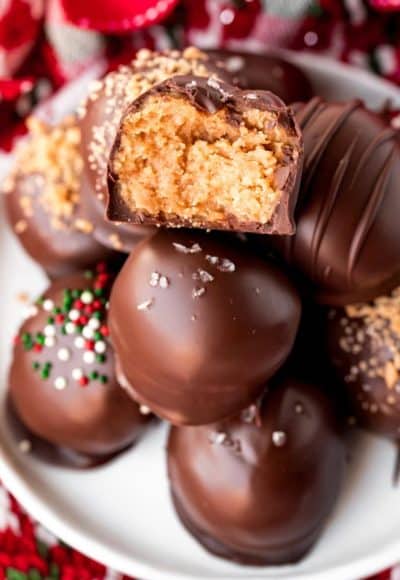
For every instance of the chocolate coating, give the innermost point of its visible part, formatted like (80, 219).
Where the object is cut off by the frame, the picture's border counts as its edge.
(265, 72)
(258, 489)
(199, 324)
(210, 96)
(364, 344)
(347, 242)
(52, 385)
(117, 236)
(43, 201)
(58, 250)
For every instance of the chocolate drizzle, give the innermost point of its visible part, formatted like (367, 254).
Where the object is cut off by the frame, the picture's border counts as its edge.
(347, 244)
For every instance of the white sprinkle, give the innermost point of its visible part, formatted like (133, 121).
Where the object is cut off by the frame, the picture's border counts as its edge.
(213, 83)
(197, 292)
(203, 275)
(89, 357)
(25, 446)
(49, 341)
(191, 85)
(248, 415)
(154, 279)
(48, 305)
(193, 249)
(77, 374)
(94, 323)
(279, 438)
(146, 305)
(100, 347)
(74, 314)
(212, 259)
(144, 410)
(70, 328)
(87, 297)
(251, 96)
(49, 330)
(164, 282)
(64, 354)
(79, 342)
(88, 332)
(226, 265)
(60, 383)
(219, 438)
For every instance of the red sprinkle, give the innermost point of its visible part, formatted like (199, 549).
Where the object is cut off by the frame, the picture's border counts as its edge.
(83, 381)
(78, 304)
(16, 339)
(96, 304)
(89, 309)
(89, 344)
(60, 318)
(104, 330)
(37, 347)
(83, 320)
(101, 267)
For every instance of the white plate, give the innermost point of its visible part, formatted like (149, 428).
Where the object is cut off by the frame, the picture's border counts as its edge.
(120, 513)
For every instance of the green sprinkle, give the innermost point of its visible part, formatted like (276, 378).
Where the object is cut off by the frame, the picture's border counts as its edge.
(89, 275)
(40, 301)
(75, 294)
(34, 574)
(94, 375)
(36, 365)
(97, 315)
(40, 338)
(101, 358)
(42, 548)
(63, 330)
(57, 310)
(79, 328)
(104, 379)
(98, 291)
(98, 336)
(13, 574)
(50, 320)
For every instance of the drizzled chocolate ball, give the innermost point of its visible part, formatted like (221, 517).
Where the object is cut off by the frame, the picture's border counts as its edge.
(347, 241)
(266, 72)
(44, 200)
(199, 324)
(364, 345)
(62, 378)
(258, 489)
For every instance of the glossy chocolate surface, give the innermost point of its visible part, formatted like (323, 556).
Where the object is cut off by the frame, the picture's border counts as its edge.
(258, 489)
(265, 72)
(62, 378)
(347, 243)
(199, 324)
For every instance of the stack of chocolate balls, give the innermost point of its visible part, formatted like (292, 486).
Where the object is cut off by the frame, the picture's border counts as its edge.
(214, 251)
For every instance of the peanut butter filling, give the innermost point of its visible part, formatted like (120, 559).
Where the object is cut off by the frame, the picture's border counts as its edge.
(176, 160)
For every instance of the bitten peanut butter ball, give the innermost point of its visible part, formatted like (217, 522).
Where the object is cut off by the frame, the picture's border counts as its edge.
(258, 489)
(364, 345)
(44, 200)
(62, 379)
(199, 324)
(198, 152)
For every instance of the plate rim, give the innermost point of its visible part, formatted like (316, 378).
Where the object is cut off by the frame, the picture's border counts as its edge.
(13, 481)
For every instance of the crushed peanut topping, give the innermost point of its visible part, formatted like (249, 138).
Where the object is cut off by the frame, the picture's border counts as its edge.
(51, 159)
(370, 332)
